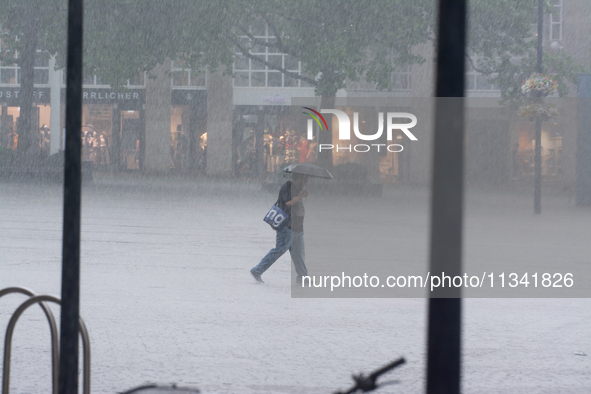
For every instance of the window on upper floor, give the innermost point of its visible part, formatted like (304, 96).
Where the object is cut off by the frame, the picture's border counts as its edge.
(401, 78)
(95, 81)
(476, 81)
(41, 69)
(183, 77)
(10, 73)
(252, 73)
(555, 21)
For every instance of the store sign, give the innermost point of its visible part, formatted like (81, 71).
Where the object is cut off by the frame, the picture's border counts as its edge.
(132, 98)
(345, 129)
(12, 96)
(100, 95)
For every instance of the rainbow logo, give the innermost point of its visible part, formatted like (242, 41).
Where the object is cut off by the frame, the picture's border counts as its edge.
(316, 118)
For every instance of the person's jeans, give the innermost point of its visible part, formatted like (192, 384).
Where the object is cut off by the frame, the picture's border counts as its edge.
(285, 240)
(298, 253)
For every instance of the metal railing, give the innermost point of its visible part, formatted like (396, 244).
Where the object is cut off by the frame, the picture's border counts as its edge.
(41, 300)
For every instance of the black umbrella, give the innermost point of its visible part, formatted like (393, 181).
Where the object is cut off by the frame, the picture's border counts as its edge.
(308, 169)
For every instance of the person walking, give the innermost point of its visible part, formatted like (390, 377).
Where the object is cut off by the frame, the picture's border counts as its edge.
(291, 235)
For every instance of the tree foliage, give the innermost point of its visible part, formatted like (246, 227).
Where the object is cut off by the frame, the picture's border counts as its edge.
(26, 27)
(338, 40)
(125, 37)
(503, 46)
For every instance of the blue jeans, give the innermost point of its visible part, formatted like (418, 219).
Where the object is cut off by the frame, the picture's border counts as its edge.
(284, 241)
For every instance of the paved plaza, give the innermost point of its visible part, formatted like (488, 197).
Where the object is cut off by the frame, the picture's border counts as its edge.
(166, 294)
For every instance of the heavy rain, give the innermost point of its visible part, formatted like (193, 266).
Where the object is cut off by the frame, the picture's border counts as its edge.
(265, 190)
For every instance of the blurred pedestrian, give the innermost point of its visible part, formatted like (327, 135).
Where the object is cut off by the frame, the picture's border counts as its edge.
(291, 235)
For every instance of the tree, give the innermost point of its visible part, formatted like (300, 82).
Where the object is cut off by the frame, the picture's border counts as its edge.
(126, 37)
(518, 66)
(503, 46)
(26, 27)
(337, 40)
(121, 39)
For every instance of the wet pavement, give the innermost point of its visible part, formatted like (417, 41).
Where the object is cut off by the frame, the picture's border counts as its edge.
(167, 297)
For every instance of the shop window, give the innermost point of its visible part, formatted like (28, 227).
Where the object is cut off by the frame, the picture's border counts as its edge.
(280, 144)
(9, 128)
(9, 136)
(523, 152)
(43, 114)
(97, 133)
(181, 156)
(130, 139)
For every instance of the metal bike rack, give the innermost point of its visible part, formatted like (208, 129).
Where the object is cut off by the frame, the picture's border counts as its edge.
(41, 299)
(53, 330)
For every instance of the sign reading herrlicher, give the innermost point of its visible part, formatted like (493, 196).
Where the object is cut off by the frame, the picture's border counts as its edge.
(345, 129)
(108, 96)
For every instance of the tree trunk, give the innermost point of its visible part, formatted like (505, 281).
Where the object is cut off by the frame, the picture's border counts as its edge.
(325, 156)
(28, 145)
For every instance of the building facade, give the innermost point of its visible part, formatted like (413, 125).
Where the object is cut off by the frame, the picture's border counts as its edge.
(246, 125)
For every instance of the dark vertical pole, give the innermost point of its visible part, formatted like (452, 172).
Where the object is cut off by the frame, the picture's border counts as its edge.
(68, 366)
(193, 119)
(539, 64)
(583, 160)
(444, 345)
(538, 125)
(259, 135)
(116, 139)
(4, 125)
(142, 137)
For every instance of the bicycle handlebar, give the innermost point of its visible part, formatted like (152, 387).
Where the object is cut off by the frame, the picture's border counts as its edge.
(368, 383)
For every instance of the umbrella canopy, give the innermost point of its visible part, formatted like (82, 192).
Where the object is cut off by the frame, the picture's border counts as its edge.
(308, 169)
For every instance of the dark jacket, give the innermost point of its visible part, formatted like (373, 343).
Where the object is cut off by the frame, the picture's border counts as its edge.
(286, 194)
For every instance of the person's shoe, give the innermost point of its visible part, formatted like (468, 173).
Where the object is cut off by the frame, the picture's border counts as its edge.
(256, 276)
